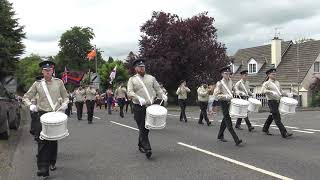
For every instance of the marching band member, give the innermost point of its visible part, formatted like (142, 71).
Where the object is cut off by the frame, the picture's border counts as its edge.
(223, 92)
(242, 89)
(182, 93)
(120, 94)
(90, 101)
(79, 100)
(49, 91)
(274, 92)
(142, 88)
(203, 97)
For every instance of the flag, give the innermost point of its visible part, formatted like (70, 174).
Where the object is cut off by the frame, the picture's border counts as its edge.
(92, 54)
(73, 77)
(113, 74)
(65, 75)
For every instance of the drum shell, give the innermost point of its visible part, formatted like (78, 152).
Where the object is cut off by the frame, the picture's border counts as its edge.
(155, 121)
(53, 131)
(238, 110)
(253, 105)
(286, 107)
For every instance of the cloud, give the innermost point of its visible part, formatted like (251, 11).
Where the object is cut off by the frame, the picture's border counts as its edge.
(116, 23)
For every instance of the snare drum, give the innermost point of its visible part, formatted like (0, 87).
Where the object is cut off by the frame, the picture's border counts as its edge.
(238, 108)
(54, 126)
(287, 105)
(156, 117)
(254, 105)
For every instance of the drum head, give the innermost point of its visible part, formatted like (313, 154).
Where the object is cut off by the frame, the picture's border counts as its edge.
(287, 100)
(157, 110)
(239, 101)
(254, 101)
(53, 117)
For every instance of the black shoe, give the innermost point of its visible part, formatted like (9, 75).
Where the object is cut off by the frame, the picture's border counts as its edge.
(238, 142)
(267, 133)
(142, 150)
(250, 128)
(180, 119)
(148, 154)
(239, 128)
(222, 140)
(200, 122)
(185, 120)
(208, 123)
(43, 173)
(89, 122)
(52, 167)
(287, 135)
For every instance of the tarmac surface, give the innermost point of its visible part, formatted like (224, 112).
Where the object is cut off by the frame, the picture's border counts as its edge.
(107, 149)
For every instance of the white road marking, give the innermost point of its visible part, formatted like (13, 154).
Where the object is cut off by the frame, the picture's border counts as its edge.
(257, 125)
(96, 117)
(124, 125)
(316, 130)
(291, 127)
(303, 131)
(236, 162)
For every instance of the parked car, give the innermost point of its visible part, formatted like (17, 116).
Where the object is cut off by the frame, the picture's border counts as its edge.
(9, 107)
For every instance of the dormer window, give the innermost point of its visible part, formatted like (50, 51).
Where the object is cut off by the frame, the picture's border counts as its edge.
(317, 67)
(252, 66)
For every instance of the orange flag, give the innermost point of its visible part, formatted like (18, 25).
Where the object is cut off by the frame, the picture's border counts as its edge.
(91, 54)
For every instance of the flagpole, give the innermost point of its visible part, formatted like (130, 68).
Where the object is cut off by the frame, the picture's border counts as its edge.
(95, 48)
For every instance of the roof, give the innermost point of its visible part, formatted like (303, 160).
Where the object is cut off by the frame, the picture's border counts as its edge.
(287, 68)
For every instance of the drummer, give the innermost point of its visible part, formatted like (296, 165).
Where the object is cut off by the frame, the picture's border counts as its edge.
(242, 89)
(142, 96)
(274, 93)
(223, 92)
(203, 97)
(47, 150)
(79, 94)
(34, 115)
(90, 101)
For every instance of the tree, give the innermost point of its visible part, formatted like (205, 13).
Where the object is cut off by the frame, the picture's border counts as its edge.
(75, 45)
(129, 61)
(122, 74)
(315, 90)
(176, 49)
(11, 36)
(27, 71)
(110, 60)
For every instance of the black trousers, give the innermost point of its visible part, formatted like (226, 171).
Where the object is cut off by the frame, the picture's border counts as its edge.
(239, 120)
(140, 116)
(182, 103)
(79, 106)
(203, 112)
(90, 109)
(275, 115)
(129, 103)
(226, 122)
(35, 124)
(121, 103)
(68, 111)
(47, 151)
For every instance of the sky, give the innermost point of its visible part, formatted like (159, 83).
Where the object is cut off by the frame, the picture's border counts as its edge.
(116, 23)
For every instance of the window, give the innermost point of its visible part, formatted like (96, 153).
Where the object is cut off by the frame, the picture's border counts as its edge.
(252, 66)
(317, 67)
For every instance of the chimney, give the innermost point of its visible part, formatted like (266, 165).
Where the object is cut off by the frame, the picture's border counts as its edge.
(276, 51)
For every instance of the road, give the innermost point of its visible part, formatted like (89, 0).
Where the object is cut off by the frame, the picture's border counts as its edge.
(107, 149)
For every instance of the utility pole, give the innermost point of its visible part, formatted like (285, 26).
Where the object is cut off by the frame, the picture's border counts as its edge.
(298, 69)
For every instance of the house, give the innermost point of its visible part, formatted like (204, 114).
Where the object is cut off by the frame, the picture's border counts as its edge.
(296, 64)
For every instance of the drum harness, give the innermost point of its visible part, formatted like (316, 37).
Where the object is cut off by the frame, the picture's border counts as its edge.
(145, 89)
(44, 86)
(224, 85)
